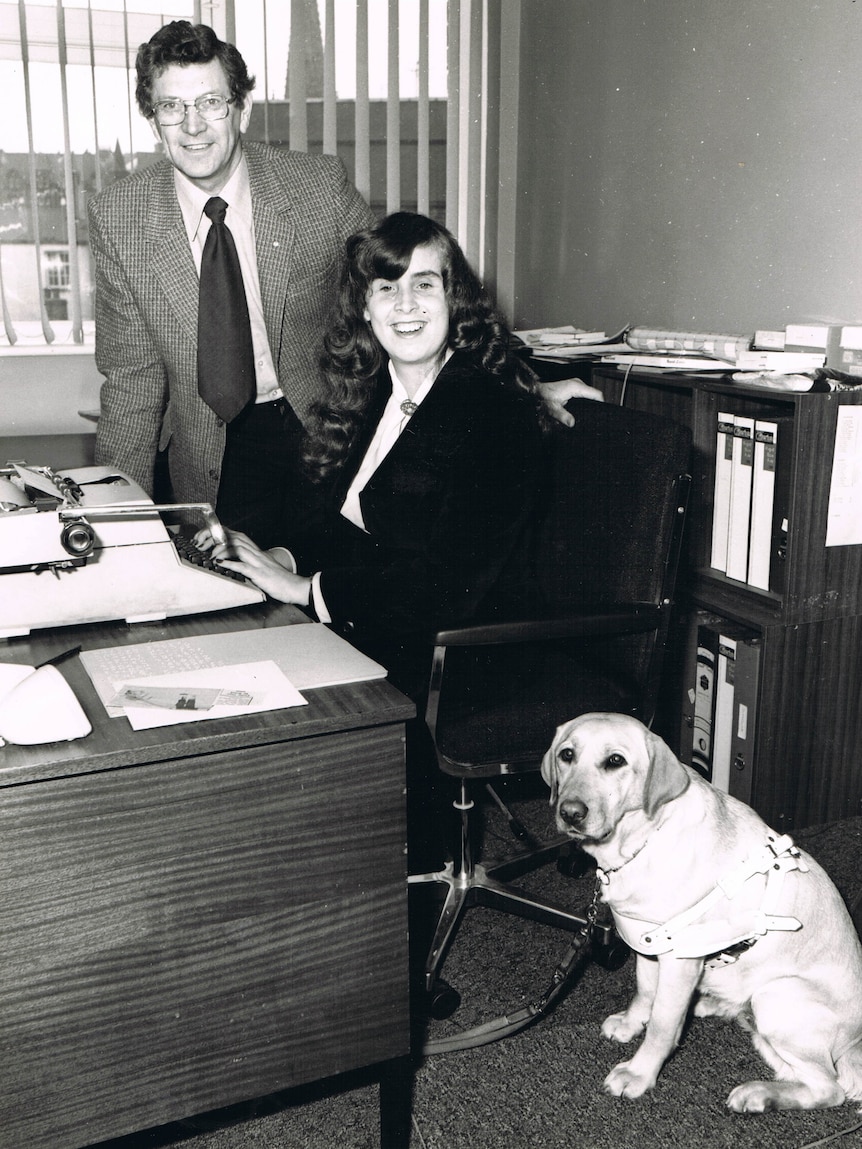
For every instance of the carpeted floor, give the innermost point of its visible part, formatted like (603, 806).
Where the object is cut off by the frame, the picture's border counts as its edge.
(542, 1088)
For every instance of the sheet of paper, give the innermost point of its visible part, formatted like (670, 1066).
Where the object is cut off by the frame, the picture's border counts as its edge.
(844, 516)
(310, 656)
(38, 481)
(222, 691)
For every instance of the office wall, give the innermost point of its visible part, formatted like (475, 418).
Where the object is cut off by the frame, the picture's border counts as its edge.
(690, 166)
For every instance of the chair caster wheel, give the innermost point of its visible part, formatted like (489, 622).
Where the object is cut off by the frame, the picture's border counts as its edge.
(611, 955)
(443, 1000)
(574, 863)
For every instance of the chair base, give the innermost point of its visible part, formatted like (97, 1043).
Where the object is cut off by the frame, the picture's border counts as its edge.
(477, 885)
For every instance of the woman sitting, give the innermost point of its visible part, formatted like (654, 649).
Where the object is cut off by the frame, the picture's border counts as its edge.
(426, 451)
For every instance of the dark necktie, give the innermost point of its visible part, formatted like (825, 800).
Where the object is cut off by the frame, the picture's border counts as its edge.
(226, 379)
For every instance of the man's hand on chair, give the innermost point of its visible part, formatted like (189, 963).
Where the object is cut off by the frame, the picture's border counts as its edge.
(557, 394)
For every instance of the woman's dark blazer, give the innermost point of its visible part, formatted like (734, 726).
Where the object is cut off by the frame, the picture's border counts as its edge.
(444, 513)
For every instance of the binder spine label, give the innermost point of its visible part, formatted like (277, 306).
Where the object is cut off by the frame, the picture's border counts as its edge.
(740, 498)
(721, 494)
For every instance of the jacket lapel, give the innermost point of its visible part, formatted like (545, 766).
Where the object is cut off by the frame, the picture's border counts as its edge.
(173, 263)
(274, 235)
(430, 432)
(172, 260)
(426, 445)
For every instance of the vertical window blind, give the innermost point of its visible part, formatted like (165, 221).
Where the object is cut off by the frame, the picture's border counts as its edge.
(419, 97)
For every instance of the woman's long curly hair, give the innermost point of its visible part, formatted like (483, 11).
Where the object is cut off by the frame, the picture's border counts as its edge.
(353, 357)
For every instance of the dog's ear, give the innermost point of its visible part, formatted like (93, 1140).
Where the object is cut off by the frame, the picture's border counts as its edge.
(549, 769)
(667, 778)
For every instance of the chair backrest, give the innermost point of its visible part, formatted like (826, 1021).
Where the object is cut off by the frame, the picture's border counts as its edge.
(611, 531)
(608, 526)
(608, 533)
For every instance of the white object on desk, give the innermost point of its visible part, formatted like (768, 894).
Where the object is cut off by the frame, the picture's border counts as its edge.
(37, 705)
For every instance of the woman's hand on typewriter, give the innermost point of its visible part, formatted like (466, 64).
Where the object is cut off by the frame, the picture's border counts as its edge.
(262, 568)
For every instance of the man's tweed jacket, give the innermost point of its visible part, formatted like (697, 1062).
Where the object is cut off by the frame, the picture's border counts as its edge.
(147, 306)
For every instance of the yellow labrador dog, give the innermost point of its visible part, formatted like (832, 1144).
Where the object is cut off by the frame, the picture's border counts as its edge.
(721, 911)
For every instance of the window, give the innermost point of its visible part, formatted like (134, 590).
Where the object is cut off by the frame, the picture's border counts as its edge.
(57, 269)
(407, 92)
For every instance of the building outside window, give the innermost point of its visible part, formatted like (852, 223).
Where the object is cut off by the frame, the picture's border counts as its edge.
(56, 282)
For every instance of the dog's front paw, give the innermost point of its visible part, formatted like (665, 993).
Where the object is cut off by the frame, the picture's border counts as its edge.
(760, 1096)
(753, 1097)
(623, 1081)
(622, 1027)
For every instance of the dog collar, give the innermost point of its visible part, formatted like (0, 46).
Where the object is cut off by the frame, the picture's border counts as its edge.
(604, 875)
(687, 939)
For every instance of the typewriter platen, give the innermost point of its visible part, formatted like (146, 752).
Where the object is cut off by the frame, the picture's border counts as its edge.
(90, 546)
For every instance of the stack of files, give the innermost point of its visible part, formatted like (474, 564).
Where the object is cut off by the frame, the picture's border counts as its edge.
(749, 518)
(780, 362)
(722, 674)
(570, 342)
(798, 350)
(638, 346)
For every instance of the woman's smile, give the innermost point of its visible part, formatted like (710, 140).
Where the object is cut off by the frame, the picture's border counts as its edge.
(408, 328)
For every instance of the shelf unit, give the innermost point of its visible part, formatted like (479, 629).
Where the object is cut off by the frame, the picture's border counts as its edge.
(806, 763)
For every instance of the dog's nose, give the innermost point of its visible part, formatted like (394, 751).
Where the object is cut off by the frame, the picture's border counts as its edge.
(573, 812)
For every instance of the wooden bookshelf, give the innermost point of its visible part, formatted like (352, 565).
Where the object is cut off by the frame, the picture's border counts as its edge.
(806, 763)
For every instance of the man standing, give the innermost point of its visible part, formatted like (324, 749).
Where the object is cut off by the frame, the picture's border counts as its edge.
(160, 328)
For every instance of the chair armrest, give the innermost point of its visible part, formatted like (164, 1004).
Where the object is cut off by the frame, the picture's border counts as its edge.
(627, 618)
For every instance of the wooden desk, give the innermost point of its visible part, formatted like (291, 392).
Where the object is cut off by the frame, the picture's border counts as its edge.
(198, 914)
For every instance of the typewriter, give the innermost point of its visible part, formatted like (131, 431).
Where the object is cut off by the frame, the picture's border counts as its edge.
(90, 546)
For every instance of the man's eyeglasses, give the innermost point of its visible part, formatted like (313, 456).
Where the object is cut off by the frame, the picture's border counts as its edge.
(168, 113)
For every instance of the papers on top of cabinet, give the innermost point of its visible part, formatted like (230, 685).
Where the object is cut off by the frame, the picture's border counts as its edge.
(569, 342)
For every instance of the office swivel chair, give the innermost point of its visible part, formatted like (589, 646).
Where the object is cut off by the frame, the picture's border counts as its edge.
(605, 552)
